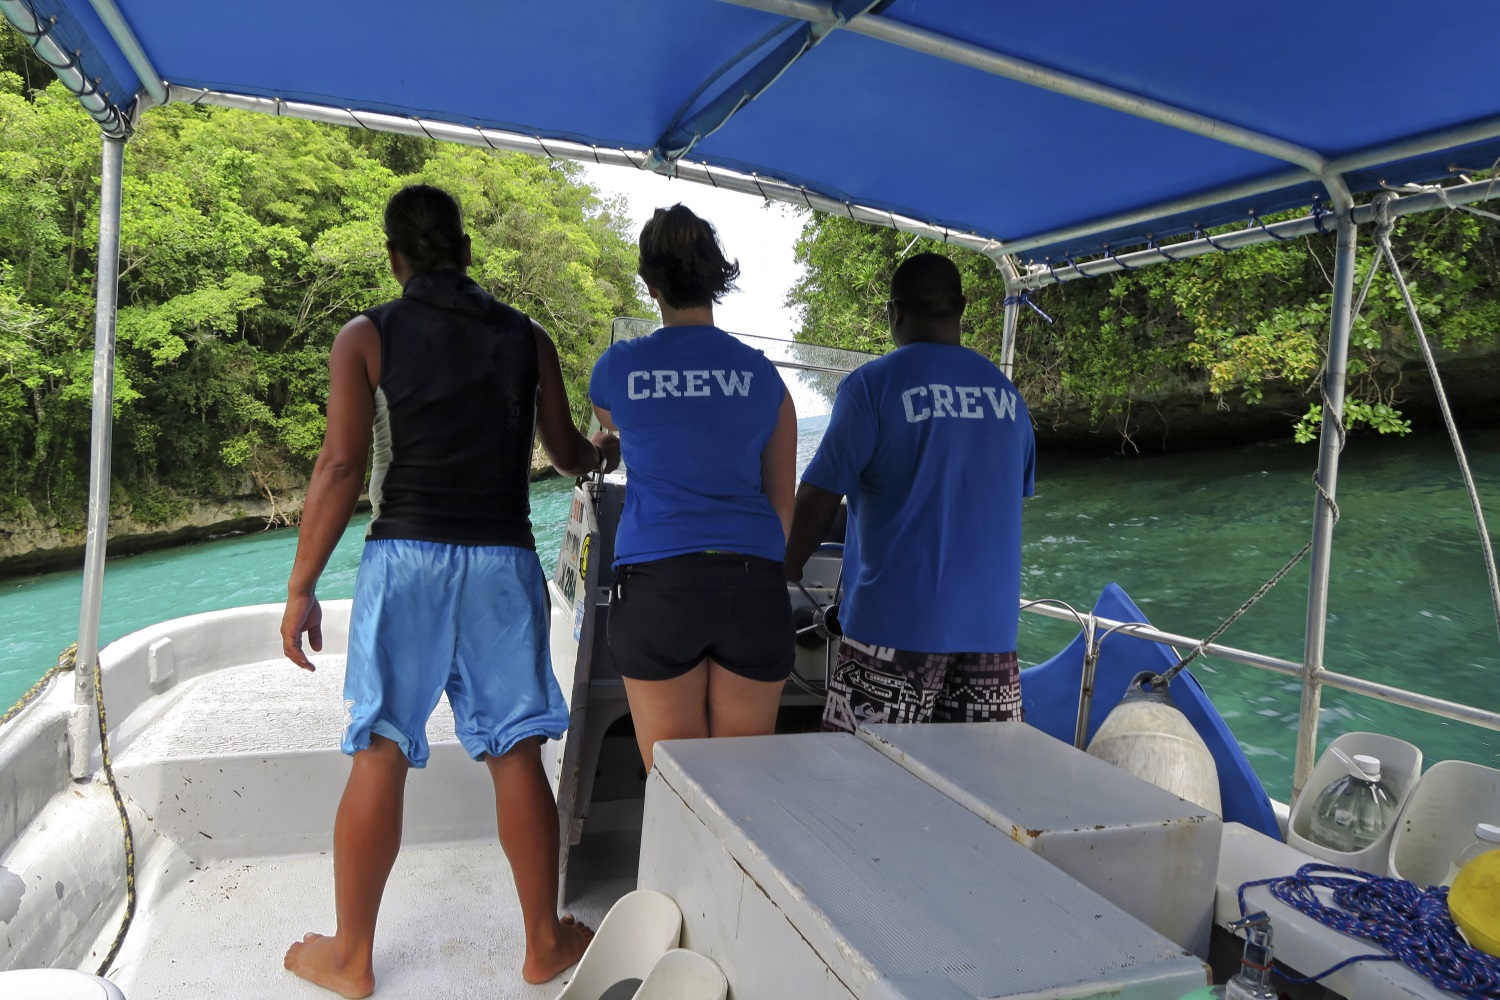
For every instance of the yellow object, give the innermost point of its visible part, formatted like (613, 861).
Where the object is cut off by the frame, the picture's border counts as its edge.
(1474, 901)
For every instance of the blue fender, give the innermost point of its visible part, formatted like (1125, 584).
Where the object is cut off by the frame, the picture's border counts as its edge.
(1049, 697)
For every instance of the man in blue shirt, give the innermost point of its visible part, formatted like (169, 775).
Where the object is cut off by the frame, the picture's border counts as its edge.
(932, 445)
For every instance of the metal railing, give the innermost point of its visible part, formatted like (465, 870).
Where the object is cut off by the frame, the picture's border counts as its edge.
(1440, 707)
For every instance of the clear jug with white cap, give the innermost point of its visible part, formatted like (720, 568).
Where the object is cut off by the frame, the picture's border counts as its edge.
(1354, 811)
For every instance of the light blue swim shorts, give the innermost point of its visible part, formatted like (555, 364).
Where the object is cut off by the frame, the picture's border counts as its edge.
(470, 620)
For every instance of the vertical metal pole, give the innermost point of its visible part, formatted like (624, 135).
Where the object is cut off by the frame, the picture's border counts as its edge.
(1328, 473)
(1012, 316)
(82, 734)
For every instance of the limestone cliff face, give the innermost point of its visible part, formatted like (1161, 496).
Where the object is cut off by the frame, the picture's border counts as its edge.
(33, 543)
(1192, 417)
(1186, 419)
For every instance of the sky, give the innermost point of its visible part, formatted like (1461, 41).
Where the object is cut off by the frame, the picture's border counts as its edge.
(757, 233)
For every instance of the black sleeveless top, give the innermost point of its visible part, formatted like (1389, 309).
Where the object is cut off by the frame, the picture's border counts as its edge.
(455, 416)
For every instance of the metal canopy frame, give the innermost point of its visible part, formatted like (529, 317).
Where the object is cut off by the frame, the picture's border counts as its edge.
(82, 733)
(113, 122)
(768, 188)
(124, 37)
(956, 50)
(817, 21)
(1331, 438)
(682, 135)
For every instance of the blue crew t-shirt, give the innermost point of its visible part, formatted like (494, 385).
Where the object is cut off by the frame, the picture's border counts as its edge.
(695, 408)
(933, 446)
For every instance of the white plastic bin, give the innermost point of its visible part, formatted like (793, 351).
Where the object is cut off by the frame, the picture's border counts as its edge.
(1400, 766)
(683, 975)
(56, 984)
(1439, 819)
(637, 931)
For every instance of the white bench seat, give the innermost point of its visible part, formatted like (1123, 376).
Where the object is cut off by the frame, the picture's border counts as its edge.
(1299, 941)
(813, 867)
(1149, 852)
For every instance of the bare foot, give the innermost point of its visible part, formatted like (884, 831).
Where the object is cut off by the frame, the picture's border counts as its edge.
(546, 959)
(315, 959)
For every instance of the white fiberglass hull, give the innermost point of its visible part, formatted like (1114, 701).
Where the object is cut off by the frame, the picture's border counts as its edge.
(228, 759)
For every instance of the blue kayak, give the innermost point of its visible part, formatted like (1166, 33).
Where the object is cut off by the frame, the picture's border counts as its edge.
(1049, 695)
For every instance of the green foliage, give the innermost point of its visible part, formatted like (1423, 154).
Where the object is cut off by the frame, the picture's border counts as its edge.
(1099, 350)
(1231, 323)
(16, 57)
(246, 242)
(157, 506)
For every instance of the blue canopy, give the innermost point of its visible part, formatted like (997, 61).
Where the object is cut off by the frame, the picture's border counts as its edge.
(1047, 132)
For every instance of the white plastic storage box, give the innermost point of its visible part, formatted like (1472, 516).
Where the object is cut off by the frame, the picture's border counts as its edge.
(1400, 766)
(1151, 853)
(811, 867)
(1439, 819)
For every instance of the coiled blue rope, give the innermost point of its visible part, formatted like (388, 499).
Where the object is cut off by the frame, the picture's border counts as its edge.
(1411, 923)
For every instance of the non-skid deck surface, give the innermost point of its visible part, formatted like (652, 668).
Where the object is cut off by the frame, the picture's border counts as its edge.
(450, 929)
(260, 708)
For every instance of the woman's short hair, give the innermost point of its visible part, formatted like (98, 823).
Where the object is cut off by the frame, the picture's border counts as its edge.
(423, 223)
(681, 259)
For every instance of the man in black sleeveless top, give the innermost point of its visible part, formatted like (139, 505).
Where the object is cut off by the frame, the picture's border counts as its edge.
(449, 386)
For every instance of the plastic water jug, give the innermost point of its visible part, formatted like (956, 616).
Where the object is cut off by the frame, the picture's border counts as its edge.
(1353, 812)
(1486, 839)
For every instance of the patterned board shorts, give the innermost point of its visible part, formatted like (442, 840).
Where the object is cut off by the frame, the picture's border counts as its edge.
(880, 684)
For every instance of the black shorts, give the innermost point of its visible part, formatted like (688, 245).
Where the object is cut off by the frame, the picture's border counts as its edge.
(669, 615)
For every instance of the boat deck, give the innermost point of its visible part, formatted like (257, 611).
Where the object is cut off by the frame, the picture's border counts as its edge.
(450, 927)
(239, 773)
(232, 775)
(265, 707)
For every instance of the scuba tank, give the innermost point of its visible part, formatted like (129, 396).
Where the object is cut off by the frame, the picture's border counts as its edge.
(1149, 737)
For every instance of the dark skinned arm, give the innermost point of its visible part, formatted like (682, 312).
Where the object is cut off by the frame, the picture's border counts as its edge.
(812, 517)
(570, 452)
(778, 464)
(337, 479)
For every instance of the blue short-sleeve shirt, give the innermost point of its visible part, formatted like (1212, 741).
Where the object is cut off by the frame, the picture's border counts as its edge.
(933, 447)
(695, 408)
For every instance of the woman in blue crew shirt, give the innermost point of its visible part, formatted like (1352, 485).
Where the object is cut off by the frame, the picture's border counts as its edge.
(700, 625)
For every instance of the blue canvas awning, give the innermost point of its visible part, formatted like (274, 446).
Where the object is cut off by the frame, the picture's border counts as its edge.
(1043, 131)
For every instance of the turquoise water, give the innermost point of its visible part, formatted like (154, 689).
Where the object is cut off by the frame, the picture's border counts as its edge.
(41, 612)
(1189, 537)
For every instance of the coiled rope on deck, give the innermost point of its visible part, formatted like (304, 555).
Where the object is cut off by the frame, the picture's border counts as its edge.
(1411, 923)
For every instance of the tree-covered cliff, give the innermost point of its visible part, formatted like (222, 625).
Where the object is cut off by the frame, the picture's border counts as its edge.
(246, 242)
